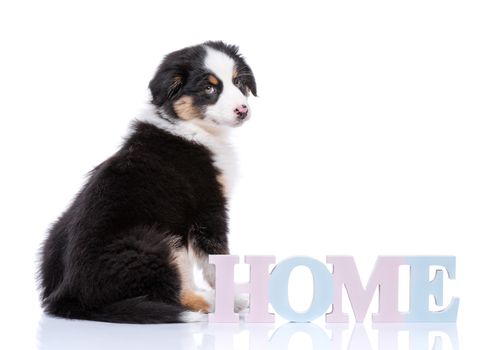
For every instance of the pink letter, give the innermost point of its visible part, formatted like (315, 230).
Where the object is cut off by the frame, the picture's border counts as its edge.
(226, 288)
(385, 276)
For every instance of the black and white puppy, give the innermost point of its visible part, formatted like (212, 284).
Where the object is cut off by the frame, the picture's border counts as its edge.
(124, 249)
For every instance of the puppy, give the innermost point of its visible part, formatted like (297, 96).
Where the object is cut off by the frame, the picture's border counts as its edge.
(124, 249)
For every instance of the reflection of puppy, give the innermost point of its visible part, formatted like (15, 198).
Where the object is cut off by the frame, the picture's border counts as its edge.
(122, 252)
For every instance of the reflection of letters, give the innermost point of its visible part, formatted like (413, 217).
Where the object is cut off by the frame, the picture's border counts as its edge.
(340, 336)
(422, 336)
(223, 336)
(282, 336)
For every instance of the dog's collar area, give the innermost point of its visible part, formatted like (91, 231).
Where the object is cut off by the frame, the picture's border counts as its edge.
(165, 116)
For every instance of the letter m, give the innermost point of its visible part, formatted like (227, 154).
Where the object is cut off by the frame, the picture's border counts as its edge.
(384, 278)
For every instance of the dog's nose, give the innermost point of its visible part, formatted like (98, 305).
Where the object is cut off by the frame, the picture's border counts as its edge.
(241, 112)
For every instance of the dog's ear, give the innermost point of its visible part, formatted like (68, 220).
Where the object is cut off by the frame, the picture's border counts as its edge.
(245, 73)
(166, 85)
(251, 83)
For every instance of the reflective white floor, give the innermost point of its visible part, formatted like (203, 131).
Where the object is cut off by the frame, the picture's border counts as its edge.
(65, 334)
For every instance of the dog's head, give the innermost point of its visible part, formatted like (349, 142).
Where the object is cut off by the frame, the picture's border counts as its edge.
(210, 82)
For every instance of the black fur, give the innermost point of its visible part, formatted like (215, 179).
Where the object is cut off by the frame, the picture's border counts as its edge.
(109, 257)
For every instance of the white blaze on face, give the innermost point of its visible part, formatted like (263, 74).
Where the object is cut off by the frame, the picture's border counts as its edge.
(223, 111)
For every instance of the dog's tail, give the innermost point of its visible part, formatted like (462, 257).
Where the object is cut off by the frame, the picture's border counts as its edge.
(134, 310)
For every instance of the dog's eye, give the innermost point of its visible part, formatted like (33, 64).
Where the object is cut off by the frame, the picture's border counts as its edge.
(210, 89)
(237, 82)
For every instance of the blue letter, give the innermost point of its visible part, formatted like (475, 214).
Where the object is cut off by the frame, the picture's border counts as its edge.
(421, 288)
(322, 294)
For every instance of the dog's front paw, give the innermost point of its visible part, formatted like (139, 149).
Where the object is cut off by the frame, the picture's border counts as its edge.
(241, 303)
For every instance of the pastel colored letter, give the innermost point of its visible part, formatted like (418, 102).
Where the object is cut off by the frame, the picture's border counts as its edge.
(226, 288)
(322, 293)
(385, 276)
(421, 288)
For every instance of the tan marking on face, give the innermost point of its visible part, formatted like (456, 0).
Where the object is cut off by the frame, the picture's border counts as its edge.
(194, 302)
(184, 108)
(213, 80)
(224, 188)
(235, 73)
(177, 81)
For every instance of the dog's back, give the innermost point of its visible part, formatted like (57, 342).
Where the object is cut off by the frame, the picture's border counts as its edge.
(112, 254)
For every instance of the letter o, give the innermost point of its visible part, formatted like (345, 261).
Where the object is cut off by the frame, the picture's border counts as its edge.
(323, 291)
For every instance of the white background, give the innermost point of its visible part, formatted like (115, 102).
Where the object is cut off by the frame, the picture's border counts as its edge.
(366, 138)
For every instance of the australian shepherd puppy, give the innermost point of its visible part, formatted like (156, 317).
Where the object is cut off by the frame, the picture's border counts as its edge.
(124, 249)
